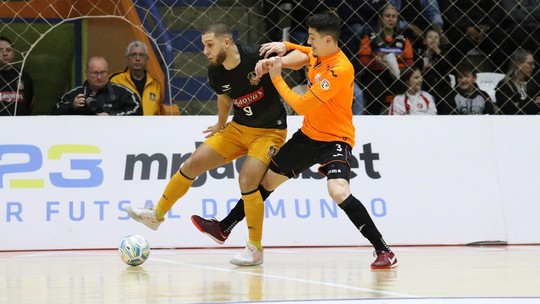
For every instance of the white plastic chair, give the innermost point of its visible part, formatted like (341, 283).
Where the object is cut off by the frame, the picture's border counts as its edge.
(452, 80)
(488, 81)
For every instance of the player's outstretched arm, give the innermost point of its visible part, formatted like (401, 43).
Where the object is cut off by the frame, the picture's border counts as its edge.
(295, 60)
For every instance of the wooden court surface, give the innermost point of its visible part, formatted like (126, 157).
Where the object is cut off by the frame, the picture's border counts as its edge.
(446, 274)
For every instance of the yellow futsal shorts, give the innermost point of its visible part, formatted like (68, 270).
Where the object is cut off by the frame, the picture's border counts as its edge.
(235, 140)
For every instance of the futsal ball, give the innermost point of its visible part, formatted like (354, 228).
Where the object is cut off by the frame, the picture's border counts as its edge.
(134, 250)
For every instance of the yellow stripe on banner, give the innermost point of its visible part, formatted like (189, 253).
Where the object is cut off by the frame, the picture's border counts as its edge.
(56, 151)
(26, 183)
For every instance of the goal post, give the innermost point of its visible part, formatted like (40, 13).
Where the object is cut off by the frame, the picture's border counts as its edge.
(32, 27)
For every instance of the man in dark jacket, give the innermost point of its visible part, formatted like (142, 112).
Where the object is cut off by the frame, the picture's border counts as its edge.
(98, 96)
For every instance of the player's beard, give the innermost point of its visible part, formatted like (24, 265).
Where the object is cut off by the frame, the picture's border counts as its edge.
(220, 58)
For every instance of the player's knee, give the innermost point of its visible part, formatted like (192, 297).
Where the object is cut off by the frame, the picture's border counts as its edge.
(248, 183)
(338, 192)
(272, 180)
(194, 167)
(338, 196)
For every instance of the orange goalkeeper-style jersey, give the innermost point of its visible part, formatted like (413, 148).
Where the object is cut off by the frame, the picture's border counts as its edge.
(327, 104)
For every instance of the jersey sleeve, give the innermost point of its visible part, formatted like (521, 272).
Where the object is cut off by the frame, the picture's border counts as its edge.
(291, 46)
(432, 108)
(301, 104)
(212, 80)
(398, 106)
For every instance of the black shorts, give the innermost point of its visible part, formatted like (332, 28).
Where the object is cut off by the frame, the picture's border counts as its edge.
(301, 152)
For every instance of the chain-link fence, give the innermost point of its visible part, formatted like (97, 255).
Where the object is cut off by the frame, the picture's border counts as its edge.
(458, 46)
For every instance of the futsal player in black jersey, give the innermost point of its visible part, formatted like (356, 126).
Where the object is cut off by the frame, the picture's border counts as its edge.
(258, 127)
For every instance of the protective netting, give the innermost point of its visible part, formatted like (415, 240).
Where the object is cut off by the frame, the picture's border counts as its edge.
(53, 38)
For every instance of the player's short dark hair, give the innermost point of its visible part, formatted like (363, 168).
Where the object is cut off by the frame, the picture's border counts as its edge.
(219, 29)
(327, 23)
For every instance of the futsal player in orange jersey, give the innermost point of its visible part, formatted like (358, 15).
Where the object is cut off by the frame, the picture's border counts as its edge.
(326, 137)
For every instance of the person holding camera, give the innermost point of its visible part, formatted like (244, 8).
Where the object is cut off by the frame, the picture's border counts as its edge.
(98, 96)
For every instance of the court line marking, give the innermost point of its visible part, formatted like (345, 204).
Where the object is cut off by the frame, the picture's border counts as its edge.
(284, 278)
(430, 300)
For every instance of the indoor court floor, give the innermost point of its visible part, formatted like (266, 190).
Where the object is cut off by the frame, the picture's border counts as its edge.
(443, 274)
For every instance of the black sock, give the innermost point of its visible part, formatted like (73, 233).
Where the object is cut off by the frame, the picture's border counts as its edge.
(359, 216)
(237, 213)
(264, 193)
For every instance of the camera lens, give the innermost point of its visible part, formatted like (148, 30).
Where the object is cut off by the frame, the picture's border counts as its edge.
(92, 103)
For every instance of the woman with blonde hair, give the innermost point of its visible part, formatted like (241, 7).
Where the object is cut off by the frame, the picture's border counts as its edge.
(383, 54)
(519, 92)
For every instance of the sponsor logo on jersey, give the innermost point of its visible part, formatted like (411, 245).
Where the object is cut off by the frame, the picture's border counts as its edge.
(395, 50)
(252, 78)
(325, 84)
(11, 96)
(333, 171)
(152, 96)
(226, 87)
(317, 77)
(246, 100)
(272, 151)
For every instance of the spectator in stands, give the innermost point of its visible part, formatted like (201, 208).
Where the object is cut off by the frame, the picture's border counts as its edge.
(467, 98)
(410, 99)
(137, 79)
(300, 11)
(522, 25)
(272, 11)
(98, 96)
(419, 15)
(16, 88)
(519, 92)
(383, 54)
(359, 19)
(430, 58)
(473, 26)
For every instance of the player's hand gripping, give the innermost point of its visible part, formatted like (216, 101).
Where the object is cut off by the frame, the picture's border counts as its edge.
(272, 47)
(275, 67)
(262, 67)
